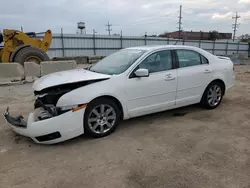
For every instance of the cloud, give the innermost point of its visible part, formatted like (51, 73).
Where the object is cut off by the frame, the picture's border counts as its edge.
(134, 17)
(245, 16)
(146, 6)
(218, 16)
(204, 15)
(244, 1)
(225, 8)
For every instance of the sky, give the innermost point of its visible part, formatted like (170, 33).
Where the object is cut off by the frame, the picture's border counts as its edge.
(133, 17)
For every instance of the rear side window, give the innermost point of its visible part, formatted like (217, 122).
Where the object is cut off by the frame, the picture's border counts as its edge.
(189, 58)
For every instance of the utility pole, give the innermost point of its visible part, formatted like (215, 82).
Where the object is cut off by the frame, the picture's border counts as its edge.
(94, 32)
(109, 28)
(94, 48)
(235, 25)
(179, 22)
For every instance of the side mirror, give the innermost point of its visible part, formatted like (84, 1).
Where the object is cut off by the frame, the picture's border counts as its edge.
(142, 73)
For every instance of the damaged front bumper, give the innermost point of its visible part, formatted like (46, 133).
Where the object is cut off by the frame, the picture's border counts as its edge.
(17, 121)
(48, 131)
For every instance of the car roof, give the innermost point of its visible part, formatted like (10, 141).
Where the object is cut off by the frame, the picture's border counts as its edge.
(158, 47)
(151, 48)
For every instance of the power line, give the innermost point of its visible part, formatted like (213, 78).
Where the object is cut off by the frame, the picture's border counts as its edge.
(109, 27)
(179, 22)
(235, 25)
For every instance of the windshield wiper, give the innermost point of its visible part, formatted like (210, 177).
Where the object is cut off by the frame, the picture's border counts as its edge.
(92, 70)
(88, 68)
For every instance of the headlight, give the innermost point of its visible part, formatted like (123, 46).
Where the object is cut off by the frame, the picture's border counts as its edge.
(74, 108)
(67, 108)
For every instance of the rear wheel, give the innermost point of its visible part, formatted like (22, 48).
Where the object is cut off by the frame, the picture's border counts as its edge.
(213, 95)
(31, 54)
(101, 117)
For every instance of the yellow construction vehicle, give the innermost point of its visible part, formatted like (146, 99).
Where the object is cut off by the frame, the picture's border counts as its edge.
(24, 47)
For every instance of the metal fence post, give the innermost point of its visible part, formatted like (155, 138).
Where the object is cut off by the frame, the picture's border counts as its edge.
(63, 54)
(213, 46)
(238, 47)
(168, 40)
(145, 39)
(121, 40)
(199, 43)
(183, 41)
(249, 49)
(226, 47)
(94, 42)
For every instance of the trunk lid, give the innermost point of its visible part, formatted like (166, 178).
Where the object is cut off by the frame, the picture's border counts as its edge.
(223, 57)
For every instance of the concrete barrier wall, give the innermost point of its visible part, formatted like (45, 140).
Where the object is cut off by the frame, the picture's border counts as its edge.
(78, 59)
(48, 67)
(10, 72)
(31, 70)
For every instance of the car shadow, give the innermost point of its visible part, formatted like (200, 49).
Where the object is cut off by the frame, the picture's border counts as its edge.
(175, 113)
(127, 125)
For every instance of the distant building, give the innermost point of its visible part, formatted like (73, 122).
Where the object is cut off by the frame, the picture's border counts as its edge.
(194, 35)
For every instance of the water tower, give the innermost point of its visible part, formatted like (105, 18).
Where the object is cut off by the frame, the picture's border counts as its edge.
(81, 26)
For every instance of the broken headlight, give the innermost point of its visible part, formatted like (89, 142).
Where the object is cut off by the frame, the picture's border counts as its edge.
(74, 108)
(67, 108)
(46, 112)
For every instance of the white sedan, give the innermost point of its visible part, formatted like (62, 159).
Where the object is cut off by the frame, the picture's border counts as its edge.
(128, 83)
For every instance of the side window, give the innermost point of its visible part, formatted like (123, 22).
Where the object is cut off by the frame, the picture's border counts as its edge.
(156, 62)
(188, 58)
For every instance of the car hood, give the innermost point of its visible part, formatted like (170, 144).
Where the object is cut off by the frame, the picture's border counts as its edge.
(67, 77)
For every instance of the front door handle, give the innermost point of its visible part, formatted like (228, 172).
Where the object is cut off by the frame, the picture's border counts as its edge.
(207, 71)
(169, 77)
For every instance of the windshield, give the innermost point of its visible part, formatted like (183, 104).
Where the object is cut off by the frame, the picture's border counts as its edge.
(117, 62)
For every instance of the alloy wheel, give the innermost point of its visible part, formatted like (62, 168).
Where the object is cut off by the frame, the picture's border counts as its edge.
(102, 118)
(214, 95)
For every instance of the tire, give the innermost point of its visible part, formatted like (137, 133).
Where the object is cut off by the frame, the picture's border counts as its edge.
(14, 53)
(1, 38)
(211, 100)
(94, 120)
(31, 54)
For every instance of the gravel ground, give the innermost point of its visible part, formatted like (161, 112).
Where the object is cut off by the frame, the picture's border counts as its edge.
(198, 148)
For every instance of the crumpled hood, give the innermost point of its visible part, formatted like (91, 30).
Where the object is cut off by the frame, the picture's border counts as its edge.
(66, 77)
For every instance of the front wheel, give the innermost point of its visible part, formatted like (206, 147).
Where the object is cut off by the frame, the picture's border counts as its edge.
(101, 117)
(31, 54)
(212, 96)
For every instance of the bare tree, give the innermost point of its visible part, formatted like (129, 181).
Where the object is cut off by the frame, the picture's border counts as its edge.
(244, 38)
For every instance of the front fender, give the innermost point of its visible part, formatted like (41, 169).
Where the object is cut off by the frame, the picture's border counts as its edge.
(86, 94)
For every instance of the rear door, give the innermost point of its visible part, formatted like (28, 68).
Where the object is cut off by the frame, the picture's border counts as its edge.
(194, 74)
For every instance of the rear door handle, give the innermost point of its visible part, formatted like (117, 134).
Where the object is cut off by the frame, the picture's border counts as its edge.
(169, 77)
(207, 71)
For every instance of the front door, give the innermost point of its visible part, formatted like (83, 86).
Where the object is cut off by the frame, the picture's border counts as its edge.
(194, 74)
(156, 92)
